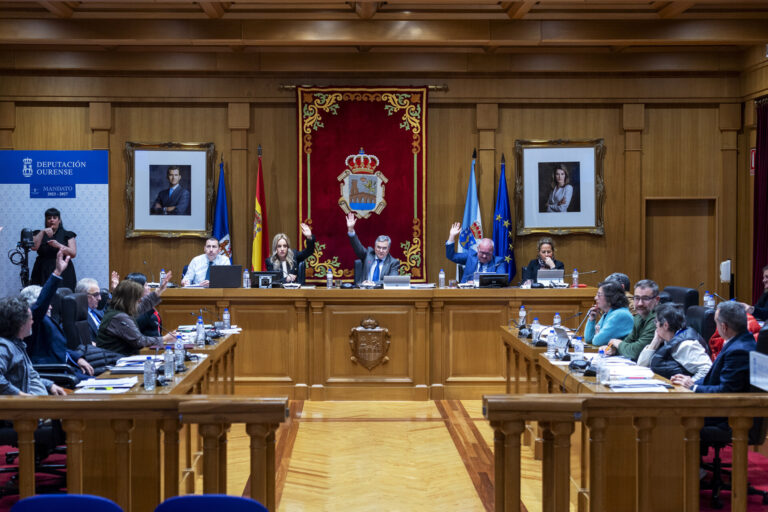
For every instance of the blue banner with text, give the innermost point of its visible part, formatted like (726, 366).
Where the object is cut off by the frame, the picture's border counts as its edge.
(54, 174)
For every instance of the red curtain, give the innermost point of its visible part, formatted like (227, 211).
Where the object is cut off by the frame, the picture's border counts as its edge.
(760, 221)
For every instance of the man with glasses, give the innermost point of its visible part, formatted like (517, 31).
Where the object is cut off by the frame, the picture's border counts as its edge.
(481, 260)
(377, 261)
(646, 299)
(90, 287)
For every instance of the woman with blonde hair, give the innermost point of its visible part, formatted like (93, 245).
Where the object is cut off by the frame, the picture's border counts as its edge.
(285, 259)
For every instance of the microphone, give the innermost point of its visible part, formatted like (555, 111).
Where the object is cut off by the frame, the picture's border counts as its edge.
(587, 272)
(700, 285)
(150, 271)
(580, 325)
(722, 299)
(578, 313)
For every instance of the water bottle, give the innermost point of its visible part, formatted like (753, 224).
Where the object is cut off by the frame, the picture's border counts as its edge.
(578, 349)
(246, 279)
(556, 320)
(169, 363)
(149, 374)
(476, 279)
(601, 366)
(162, 275)
(551, 344)
(200, 328)
(178, 350)
(441, 279)
(227, 319)
(575, 279)
(329, 279)
(521, 317)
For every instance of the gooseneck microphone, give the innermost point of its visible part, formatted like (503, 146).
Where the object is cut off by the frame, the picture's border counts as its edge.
(151, 273)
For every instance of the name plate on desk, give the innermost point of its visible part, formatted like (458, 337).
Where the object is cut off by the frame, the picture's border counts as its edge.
(758, 370)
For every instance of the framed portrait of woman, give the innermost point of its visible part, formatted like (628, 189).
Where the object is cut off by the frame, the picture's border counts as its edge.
(559, 186)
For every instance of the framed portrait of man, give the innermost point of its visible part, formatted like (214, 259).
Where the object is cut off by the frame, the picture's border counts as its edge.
(169, 189)
(559, 186)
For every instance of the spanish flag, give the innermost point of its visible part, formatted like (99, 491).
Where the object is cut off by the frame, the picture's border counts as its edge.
(260, 235)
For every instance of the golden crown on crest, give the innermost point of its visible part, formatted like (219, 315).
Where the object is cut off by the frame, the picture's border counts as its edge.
(362, 162)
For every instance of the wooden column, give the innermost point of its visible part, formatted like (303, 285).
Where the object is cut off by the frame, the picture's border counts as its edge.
(740, 427)
(100, 117)
(259, 446)
(727, 211)
(511, 467)
(7, 124)
(598, 475)
(239, 121)
(633, 249)
(171, 456)
(211, 433)
(436, 377)
(644, 427)
(25, 431)
(562, 431)
(485, 170)
(74, 430)
(746, 198)
(122, 429)
(691, 479)
(547, 467)
(301, 358)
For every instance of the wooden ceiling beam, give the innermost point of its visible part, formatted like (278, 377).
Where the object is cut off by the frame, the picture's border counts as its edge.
(518, 10)
(213, 10)
(60, 9)
(673, 9)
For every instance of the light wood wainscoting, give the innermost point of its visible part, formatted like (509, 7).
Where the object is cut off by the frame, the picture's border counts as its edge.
(444, 344)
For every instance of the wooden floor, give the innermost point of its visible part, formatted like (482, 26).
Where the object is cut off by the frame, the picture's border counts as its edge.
(394, 456)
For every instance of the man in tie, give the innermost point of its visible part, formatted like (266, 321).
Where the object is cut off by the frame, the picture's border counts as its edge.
(90, 287)
(481, 260)
(199, 269)
(174, 200)
(377, 262)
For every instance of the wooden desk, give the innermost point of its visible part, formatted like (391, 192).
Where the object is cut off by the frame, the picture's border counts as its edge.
(666, 448)
(145, 440)
(444, 343)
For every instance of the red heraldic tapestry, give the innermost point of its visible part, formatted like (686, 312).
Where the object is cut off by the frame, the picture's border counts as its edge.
(363, 150)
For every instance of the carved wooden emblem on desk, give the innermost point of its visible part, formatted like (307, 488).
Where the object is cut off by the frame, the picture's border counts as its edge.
(369, 344)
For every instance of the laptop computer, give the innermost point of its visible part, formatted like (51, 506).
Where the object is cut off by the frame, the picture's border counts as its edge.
(226, 276)
(550, 277)
(266, 279)
(493, 280)
(393, 282)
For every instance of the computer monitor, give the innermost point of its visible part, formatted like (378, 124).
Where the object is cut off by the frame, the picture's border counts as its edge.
(225, 276)
(494, 280)
(396, 282)
(266, 279)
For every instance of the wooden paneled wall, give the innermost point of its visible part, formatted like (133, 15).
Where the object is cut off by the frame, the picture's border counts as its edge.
(667, 137)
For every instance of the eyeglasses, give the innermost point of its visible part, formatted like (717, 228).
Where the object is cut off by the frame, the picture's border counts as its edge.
(95, 294)
(486, 253)
(639, 298)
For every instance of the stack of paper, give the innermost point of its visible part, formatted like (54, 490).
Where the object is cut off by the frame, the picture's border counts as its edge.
(107, 386)
(134, 364)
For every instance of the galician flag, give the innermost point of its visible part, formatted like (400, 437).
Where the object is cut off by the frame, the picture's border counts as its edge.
(221, 216)
(260, 236)
(471, 226)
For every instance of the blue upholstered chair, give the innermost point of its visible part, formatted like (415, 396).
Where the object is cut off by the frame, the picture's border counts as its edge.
(208, 502)
(65, 503)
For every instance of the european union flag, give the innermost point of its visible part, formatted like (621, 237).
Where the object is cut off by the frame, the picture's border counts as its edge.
(503, 230)
(221, 216)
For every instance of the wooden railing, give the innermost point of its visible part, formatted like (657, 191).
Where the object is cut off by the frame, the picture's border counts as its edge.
(83, 419)
(558, 416)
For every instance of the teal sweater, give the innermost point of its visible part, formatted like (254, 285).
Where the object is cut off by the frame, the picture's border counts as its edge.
(616, 323)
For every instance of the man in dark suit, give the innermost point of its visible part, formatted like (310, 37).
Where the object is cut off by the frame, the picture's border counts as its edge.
(730, 371)
(90, 287)
(481, 260)
(174, 200)
(377, 262)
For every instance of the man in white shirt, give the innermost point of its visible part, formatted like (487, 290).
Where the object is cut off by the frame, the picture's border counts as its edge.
(199, 270)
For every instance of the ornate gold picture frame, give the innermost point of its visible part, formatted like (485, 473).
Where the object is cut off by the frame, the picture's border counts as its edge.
(169, 189)
(559, 186)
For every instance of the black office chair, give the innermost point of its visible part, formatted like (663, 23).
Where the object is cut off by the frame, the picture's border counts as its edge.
(74, 309)
(719, 436)
(703, 321)
(301, 273)
(359, 270)
(49, 439)
(687, 297)
(104, 300)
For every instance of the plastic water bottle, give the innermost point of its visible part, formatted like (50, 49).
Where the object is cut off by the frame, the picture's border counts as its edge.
(578, 349)
(441, 279)
(575, 279)
(246, 279)
(709, 300)
(162, 275)
(200, 328)
(601, 367)
(169, 363)
(226, 318)
(712, 302)
(149, 374)
(521, 317)
(329, 279)
(551, 344)
(556, 320)
(178, 349)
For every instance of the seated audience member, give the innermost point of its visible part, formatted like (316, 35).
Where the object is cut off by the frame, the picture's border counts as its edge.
(286, 259)
(545, 260)
(730, 371)
(623, 280)
(199, 269)
(716, 341)
(482, 260)
(17, 375)
(676, 349)
(118, 331)
(760, 309)
(149, 321)
(646, 299)
(616, 322)
(90, 287)
(377, 262)
(48, 344)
